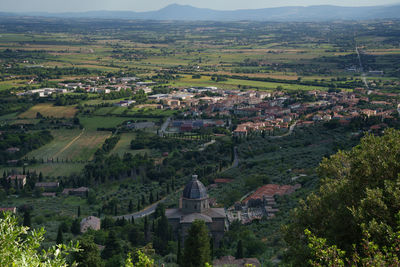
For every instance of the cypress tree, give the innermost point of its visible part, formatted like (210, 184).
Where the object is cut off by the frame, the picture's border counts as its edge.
(162, 235)
(76, 227)
(59, 239)
(27, 218)
(112, 246)
(130, 207)
(179, 254)
(146, 229)
(143, 201)
(239, 250)
(197, 245)
(151, 198)
(89, 255)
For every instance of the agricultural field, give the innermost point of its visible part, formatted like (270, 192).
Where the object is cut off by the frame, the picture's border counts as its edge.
(5, 85)
(124, 145)
(70, 145)
(93, 122)
(49, 110)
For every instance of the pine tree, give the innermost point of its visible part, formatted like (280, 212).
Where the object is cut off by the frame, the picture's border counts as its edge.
(197, 245)
(59, 239)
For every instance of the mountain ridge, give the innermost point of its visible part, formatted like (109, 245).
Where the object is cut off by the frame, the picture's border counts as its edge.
(190, 13)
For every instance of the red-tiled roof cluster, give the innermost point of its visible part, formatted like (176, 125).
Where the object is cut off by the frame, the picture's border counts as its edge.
(271, 190)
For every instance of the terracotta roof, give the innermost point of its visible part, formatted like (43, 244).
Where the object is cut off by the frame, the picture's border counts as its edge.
(270, 190)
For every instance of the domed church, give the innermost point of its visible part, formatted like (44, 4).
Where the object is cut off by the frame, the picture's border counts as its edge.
(194, 205)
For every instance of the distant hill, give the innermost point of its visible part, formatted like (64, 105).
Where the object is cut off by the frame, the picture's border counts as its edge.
(189, 13)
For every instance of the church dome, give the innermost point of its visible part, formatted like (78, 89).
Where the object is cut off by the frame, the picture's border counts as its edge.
(194, 189)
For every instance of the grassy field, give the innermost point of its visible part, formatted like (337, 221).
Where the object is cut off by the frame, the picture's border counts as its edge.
(48, 110)
(124, 145)
(77, 145)
(94, 122)
(134, 112)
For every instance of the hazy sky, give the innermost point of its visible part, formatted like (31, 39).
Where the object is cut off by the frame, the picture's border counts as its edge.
(144, 5)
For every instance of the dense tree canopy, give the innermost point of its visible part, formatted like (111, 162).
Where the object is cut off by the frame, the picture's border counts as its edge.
(19, 246)
(359, 194)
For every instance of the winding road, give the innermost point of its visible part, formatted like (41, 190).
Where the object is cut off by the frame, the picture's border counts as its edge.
(144, 212)
(291, 129)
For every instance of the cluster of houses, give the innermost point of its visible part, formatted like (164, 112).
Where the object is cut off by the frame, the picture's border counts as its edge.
(257, 110)
(281, 112)
(266, 111)
(45, 92)
(48, 189)
(101, 85)
(261, 203)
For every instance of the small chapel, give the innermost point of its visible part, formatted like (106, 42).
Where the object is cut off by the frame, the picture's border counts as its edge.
(194, 205)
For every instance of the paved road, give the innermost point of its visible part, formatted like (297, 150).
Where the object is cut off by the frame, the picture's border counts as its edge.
(363, 75)
(145, 212)
(206, 145)
(164, 127)
(236, 158)
(291, 129)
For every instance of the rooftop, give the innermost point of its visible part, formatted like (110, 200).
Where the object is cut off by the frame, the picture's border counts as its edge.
(195, 189)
